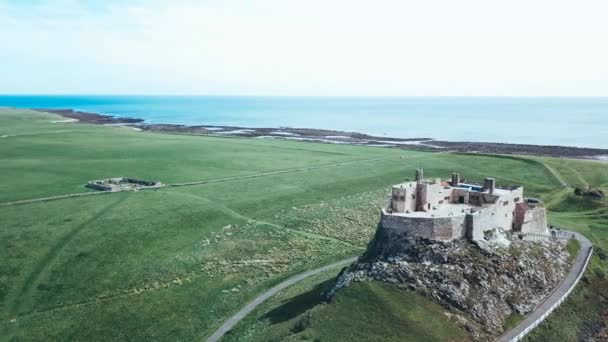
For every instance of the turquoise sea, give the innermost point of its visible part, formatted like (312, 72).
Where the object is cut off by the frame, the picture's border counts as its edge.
(568, 121)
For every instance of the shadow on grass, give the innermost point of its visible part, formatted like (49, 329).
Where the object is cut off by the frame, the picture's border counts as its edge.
(300, 303)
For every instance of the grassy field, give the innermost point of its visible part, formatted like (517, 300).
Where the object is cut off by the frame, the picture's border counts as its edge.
(172, 264)
(300, 313)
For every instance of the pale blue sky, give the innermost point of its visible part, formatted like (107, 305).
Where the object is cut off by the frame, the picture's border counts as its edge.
(313, 47)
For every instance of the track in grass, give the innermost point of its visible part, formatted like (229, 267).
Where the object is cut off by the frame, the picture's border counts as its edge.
(232, 321)
(19, 301)
(202, 182)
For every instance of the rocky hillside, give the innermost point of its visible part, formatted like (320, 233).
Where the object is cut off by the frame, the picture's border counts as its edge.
(482, 285)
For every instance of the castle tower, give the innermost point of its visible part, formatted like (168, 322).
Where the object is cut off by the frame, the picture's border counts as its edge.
(419, 175)
(489, 184)
(455, 179)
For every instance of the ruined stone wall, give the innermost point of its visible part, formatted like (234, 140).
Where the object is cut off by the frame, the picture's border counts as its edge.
(96, 186)
(444, 228)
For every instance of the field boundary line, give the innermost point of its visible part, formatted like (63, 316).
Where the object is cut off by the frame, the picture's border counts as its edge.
(272, 173)
(202, 182)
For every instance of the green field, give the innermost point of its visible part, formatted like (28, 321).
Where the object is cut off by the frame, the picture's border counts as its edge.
(173, 263)
(300, 313)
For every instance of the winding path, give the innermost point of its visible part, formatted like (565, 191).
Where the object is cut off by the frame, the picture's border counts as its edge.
(557, 296)
(524, 327)
(232, 321)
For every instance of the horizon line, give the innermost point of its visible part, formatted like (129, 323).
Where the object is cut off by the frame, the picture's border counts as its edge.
(286, 96)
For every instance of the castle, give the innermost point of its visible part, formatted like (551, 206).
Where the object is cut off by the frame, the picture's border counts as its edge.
(448, 210)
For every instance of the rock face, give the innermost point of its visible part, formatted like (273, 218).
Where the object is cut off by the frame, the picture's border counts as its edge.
(485, 285)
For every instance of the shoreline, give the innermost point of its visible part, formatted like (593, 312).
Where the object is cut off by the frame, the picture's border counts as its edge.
(339, 137)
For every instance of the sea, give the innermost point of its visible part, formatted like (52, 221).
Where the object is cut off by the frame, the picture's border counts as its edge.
(565, 121)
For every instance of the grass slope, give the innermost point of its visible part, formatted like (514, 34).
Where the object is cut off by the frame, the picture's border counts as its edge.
(370, 311)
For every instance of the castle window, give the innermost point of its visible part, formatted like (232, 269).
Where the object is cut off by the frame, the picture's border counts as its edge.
(516, 199)
(395, 198)
(440, 202)
(402, 198)
(505, 203)
(446, 198)
(413, 196)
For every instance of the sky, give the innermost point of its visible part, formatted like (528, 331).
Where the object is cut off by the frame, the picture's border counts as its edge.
(312, 47)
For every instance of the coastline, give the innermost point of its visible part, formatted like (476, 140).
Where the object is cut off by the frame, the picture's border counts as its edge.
(339, 137)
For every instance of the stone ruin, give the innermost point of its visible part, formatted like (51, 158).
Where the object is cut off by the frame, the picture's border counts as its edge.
(596, 194)
(122, 184)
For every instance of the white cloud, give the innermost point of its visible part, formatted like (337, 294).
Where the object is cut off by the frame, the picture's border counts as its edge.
(469, 47)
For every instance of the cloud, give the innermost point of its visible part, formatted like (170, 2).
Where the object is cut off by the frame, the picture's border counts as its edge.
(469, 47)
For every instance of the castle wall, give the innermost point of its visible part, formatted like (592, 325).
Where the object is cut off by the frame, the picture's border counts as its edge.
(535, 221)
(406, 198)
(475, 223)
(497, 215)
(442, 228)
(457, 193)
(398, 200)
(434, 195)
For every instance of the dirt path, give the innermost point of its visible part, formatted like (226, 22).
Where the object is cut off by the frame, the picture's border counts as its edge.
(555, 174)
(232, 321)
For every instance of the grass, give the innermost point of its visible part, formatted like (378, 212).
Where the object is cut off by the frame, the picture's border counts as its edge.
(172, 264)
(573, 247)
(363, 312)
(512, 321)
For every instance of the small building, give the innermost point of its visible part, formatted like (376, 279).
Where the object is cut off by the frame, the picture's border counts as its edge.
(456, 209)
(122, 184)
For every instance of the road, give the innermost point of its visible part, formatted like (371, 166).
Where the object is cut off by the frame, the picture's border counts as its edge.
(577, 268)
(232, 321)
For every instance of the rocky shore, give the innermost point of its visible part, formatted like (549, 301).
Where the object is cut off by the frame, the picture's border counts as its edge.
(482, 287)
(340, 137)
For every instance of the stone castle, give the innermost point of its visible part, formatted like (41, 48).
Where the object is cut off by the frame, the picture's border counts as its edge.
(455, 209)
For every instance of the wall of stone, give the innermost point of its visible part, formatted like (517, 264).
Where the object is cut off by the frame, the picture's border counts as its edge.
(444, 228)
(434, 195)
(457, 192)
(535, 221)
(98, 186)
(408, 190)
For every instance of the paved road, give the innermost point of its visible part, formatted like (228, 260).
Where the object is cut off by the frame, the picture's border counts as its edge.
(577, 268)
(232, 321)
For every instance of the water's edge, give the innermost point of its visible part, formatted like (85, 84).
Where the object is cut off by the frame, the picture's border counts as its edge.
(338, 137)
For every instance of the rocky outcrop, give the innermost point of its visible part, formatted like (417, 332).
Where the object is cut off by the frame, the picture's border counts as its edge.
(485, 285)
